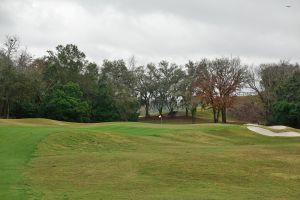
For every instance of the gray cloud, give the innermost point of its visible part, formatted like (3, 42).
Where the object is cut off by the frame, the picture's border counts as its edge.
(176, 30)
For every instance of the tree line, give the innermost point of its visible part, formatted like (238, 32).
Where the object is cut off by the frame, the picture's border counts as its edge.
(278, 87)
(65, 85)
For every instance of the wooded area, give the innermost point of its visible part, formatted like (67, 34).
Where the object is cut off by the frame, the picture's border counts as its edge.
(64, 85)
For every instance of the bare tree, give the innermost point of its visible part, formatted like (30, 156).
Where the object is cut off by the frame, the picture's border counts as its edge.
(219, 80)
(9, 50)
(131, 63)
(187, 89)
(145, 85)
(11, 46)
(24, 59)
(205, 84)
(230, 77)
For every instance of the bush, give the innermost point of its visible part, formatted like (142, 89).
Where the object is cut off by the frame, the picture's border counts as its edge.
(25, 109)
(286, 113)
(286, 110)
(65, 102)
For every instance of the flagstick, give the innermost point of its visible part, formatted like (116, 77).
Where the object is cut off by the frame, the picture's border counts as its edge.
(160, 120)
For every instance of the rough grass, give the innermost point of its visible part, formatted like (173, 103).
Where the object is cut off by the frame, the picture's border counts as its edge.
(42, 159)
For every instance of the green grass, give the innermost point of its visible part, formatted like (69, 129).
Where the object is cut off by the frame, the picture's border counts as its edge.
(45, 159)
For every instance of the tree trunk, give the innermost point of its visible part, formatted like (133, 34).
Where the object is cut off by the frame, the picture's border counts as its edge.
(194, 112)
(7, 114)
(215, 115)
(223, 110)
(2, 109)
(147, 110)
(218, 114)
(160, 111)
(186, 112)
(268, 113)
(171, 110)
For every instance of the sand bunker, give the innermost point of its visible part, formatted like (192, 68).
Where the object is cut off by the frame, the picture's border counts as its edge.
(278, 127)
(266, 132)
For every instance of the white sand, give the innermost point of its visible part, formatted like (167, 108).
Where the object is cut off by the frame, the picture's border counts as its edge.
(278, 127)
(266, 132)
(252, 124)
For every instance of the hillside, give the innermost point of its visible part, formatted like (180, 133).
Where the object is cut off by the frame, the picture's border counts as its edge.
(46, 159)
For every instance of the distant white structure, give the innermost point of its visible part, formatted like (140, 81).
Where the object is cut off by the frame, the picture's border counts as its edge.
(243, 94)
(246, 92)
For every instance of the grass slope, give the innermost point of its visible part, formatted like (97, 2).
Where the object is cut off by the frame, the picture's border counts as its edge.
(43, 159)
(17, 145)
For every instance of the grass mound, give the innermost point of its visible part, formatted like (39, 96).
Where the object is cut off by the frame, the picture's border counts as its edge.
(33, 122)
(45, 159)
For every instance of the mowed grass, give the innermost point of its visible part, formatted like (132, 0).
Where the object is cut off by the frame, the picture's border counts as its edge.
(45, 159)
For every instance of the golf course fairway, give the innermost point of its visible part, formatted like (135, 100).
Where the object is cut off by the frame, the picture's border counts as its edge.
(46, 159)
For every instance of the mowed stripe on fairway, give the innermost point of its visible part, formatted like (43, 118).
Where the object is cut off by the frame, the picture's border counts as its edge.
(17, 145)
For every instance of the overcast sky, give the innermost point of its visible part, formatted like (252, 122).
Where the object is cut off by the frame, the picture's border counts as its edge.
(152, 30)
